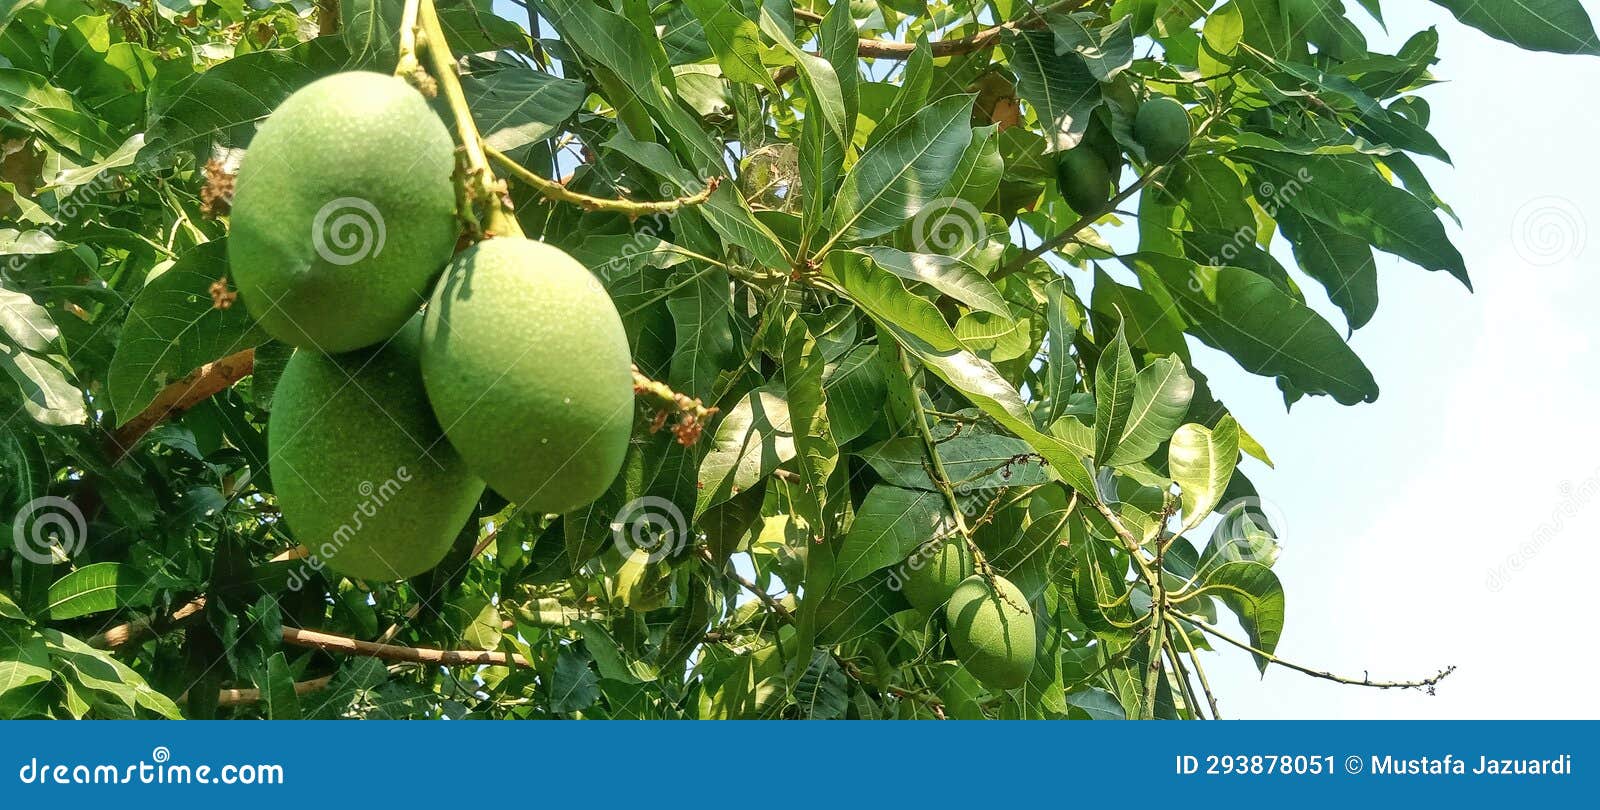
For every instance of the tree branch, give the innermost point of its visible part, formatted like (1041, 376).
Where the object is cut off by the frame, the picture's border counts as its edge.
(393, 652)
(1424, 683)
(180, 396)
(554, 191)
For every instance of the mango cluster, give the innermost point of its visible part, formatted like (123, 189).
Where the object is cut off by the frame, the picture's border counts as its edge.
(419, 375)
(1086, 174)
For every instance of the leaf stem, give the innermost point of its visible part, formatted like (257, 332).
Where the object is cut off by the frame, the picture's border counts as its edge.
(554, 191)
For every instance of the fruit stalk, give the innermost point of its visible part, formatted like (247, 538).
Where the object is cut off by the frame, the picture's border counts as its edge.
(480, 178)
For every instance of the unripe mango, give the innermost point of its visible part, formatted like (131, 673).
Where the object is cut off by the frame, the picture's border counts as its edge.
(931, 574)
(1084, 180)
(363, 474)
(343, 212)
(1162, 127)
(991, 629)
(528, 369)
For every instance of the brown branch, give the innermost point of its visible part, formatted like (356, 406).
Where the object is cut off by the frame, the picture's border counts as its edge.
(141, 627)
(328, 642)
(558, 192)
(182, 395)
(245, 697)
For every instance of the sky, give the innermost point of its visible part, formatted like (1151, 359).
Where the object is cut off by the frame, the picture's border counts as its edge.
(1453, 521)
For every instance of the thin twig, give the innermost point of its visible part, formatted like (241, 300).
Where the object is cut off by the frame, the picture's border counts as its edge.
(555, 191)
(393, 652)
(180, 396)
(1424, 683)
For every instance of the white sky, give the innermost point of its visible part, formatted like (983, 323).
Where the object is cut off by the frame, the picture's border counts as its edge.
(1399, 511)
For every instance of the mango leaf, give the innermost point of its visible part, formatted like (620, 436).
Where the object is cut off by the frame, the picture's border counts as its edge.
(975, 462)
(751, 441)
(1266, 331)
(96, 671)
(889, 525)
(904, 171)
(514, 105)
(948, 275)
(734, 38)
(53, 112)
(25, 322)
(1343, 264)
(1201, 460)
(1349, 195)
(1060, 372)
(823, 692)
(1161, 396)
(174, 328)
(95, 589)
(1255, 595)
(1561, 26)
(24, 659)
(1113, 395)
(277, 690)
(1062, 89)
(47, 395)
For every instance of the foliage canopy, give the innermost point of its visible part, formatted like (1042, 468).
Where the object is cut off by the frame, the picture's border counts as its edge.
(839, 226)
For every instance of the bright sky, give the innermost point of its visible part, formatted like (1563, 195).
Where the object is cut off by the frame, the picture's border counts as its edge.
(1481, 455)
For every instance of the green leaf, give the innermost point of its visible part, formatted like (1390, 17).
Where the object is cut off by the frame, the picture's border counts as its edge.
(974, 462)
(25, 322)
(174, 328)
(734, 38)
(822, 692)
(514, 105)
(53, 112)
(751, 441)
(574, 686)
(1266, 331)
(94, 589)
(1113, 395)
(1161, 396)
(1255, 595)
(1342, 263)
(24, 659)
(1349, 195)
(1062, 89)
(889, 525)
(1201, 461)
(1098, 704)
(951, 276)
(1562, 26)
(904, 171)
(97, 672)
(47, 395)
(1060, 373)
(277, 690)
